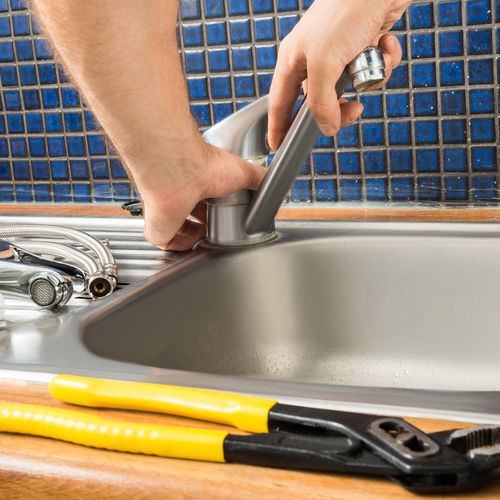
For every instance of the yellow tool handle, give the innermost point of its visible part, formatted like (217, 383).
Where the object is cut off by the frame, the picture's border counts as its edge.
(244, 412)
(90, 430)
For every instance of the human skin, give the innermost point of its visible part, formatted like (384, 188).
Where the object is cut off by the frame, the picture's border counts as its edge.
(123, 57)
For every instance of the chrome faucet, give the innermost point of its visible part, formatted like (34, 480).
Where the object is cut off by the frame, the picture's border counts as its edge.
(246, 218)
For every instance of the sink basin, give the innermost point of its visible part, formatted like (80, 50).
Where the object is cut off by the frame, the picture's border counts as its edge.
(382, 317)
(368, 304)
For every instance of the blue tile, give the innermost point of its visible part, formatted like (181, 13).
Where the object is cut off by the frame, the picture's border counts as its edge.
(102, 191)
(222, 110)
(195, 62)
(192, 35)
(21, 170)
(190, 9)
(397, 105)
(240, 31)
(350, 190)
(4, 26)
(478, 11)
(3, 5)
(91, 122)
(50, 98)
(399, 133)
(221, 86)
(450, 13)
(484, 188)
(324, 164)
(424, 75)
(96, 144)
(37, 146)
(349, 136)
(23, 193)
(325, 190)
(244, 86)
(455, 160)
(425, 103)
(323, 141)
(216, 33)
(47, 73)
(237, 7)
(4, 148)
(56, 146)
(399, 78)
(12, 100)
(31, 99)
(218, 60)
(453, 102)
(480, 71)
(401, 161)
(376, 189)
(75, 145)
(305, 169)
(34, 122)
(482, 130)
(264, 82)
(426, 132)
(79, 169)
(5, 171)
(117, 170)
(42, 49)
(260, 6)
(286, 24)
(73, 122)
(403, 44)
(27, 74)
(70, 97)
(99, 169)
(201, 113)
(59, 170)
(402, 189)
(452, 73)
(6, 52)
(284, 5)
(53, 122)
(454, 131)
(429, 188)
(373, 107)
(427, 160)
(214, 8)
(374, 162)
(21, 25)
(456, 189)
(373, 134)
(15, 124)
(481, 101)
(35, 25)
(40, 170)
(242, 58)
(400, 24)
(9, 75)
(121, 191)
(266, 57)
(422, 45)
(42, 193)
(479, 42)
(197, 88)
(264, 29)
(421, 15)
(301, 190)
(349, 163)
(451, 43)
(6, 193)
(81, 193)
(62, 192)
(17, 4)
(24, 50)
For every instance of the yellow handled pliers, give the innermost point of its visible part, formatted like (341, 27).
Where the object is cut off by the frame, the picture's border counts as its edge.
(285, 435)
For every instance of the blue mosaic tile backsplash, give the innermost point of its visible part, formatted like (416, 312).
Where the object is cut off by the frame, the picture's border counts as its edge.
(431, 136)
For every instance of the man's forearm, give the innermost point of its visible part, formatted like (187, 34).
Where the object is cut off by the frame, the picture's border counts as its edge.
(123, 54)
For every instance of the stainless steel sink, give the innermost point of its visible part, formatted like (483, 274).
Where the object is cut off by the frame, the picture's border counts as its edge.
(398, 317)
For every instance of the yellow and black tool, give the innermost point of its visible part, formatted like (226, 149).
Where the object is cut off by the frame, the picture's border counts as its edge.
(286, 436)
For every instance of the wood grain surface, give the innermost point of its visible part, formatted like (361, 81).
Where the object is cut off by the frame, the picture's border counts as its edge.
(38, 468)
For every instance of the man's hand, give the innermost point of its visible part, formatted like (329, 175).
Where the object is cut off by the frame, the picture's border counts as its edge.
(329, 36)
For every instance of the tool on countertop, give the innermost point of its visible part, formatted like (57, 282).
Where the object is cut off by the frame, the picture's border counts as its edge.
(287, 436)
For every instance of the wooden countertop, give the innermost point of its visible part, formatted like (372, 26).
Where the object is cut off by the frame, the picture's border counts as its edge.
(39, 468)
